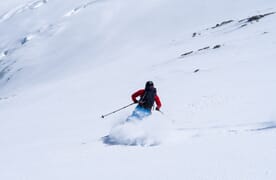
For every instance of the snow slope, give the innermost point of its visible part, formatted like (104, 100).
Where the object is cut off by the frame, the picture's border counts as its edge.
(65, 63)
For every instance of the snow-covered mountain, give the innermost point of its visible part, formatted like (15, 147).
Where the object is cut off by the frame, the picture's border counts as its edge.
(63, 64)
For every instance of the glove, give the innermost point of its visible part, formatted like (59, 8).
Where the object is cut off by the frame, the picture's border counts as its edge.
(157, 109)
(135, 101)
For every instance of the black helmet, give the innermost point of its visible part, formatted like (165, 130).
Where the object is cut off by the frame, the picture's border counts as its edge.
(149, 84)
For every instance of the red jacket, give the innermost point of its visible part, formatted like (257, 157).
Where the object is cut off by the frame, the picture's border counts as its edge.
(141, 93)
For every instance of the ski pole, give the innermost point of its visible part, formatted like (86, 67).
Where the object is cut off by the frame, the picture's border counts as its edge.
(161, 112)
(103, 116)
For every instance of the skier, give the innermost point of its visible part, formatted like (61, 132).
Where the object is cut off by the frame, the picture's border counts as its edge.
(146, 101)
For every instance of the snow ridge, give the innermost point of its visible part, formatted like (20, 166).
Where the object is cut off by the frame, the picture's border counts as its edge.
(20, 9)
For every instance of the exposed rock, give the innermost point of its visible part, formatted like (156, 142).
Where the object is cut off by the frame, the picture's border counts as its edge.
(243, 25)
(216, 46)
(24, 40)
(222, 23)
(185, 54)
(256, 17)
(6, 52)
(203, 48)
(197, 70)
(195, 34)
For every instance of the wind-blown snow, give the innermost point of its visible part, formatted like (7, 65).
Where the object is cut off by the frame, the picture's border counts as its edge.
(63, 64)
(152, 131)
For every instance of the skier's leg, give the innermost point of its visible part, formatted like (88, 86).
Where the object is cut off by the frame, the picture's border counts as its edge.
(135, 114)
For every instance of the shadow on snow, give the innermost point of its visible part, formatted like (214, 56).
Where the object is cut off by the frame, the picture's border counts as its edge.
(109, 140)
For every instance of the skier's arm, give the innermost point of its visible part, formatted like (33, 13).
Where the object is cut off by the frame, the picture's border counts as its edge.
(136, 94)
(158, 102)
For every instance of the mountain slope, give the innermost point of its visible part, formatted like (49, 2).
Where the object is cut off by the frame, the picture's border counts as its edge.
(64, 64)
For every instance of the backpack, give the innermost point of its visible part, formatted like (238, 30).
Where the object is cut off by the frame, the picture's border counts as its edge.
(147, 100)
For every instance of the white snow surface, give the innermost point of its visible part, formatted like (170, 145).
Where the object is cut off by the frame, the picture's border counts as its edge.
(63, 64)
